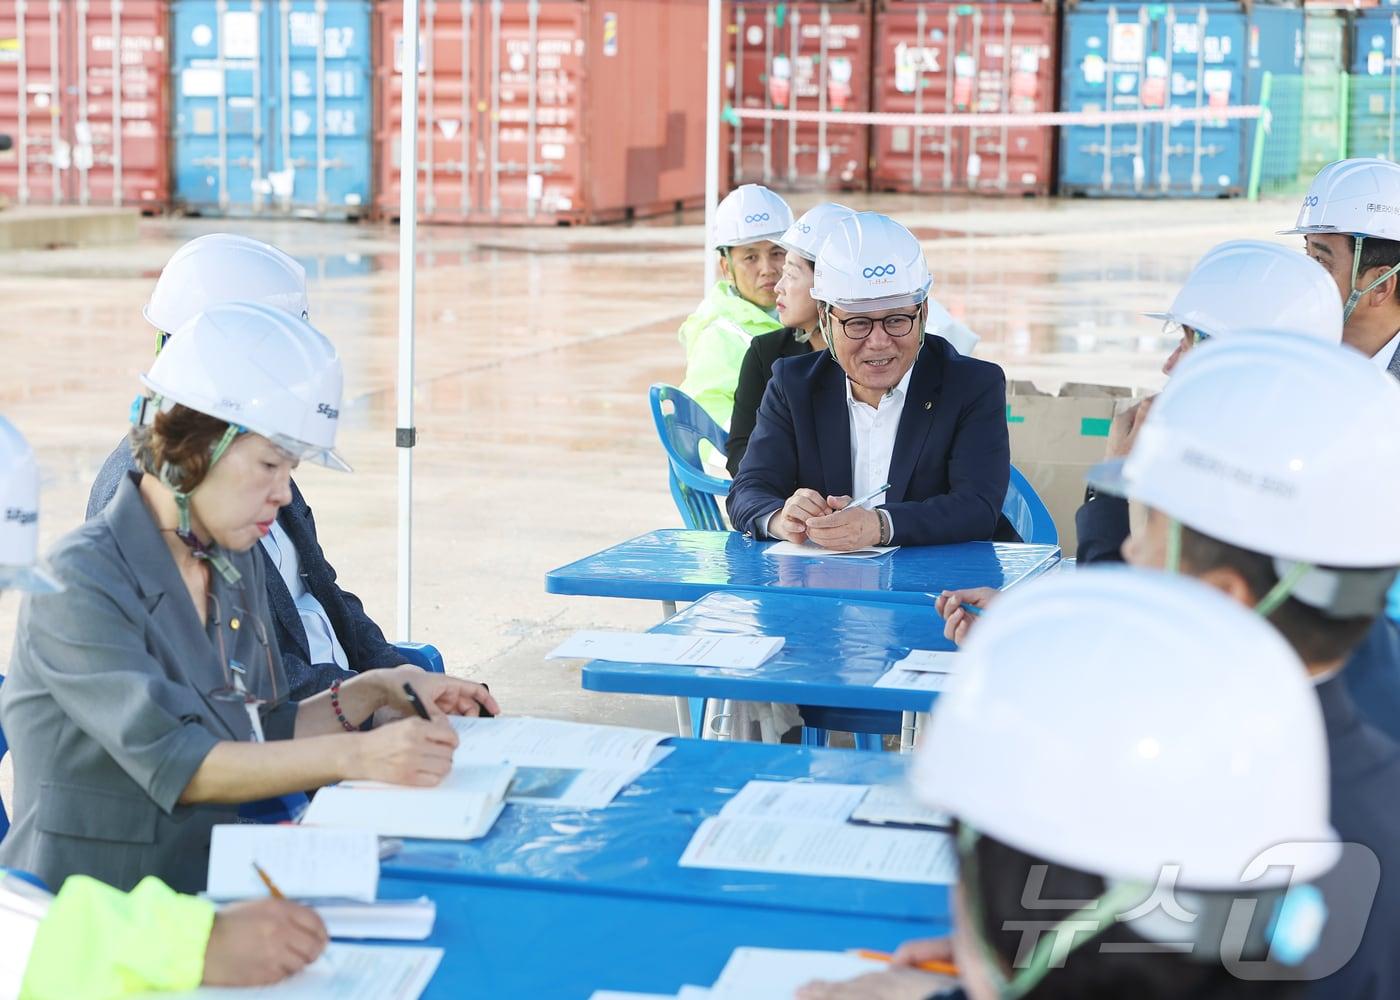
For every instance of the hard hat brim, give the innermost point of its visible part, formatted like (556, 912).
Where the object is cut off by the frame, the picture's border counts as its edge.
(1163, 316)
(877, 305)
(1108, 477)
(793, 248)
(763, 238)
(1310, 231)
(34, 579)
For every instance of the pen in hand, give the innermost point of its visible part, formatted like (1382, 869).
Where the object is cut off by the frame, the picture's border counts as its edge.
(272, 889)
(867, 498)
(422, 711)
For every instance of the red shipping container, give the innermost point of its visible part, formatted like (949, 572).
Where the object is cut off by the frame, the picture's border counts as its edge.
(88, 127)
(548, 111)
(799, 57)
(934, 58)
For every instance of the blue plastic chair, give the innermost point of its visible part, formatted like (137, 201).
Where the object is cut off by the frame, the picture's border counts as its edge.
(4, 749)
(288, 808)
(681, 425)
(1028, 513)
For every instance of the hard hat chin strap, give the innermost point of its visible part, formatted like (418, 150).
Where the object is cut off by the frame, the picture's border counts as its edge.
(1054, 944)
(1356, 293)
(185, 530)
(1270, 602)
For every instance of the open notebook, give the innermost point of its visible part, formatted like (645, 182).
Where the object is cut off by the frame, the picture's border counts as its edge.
(465, 806)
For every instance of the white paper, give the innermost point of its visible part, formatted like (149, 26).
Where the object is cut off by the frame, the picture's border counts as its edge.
(621, 995)
(551, 743)
(812, 550)
(387, 920)
(345, 972)
(768, 973)
(894, 805)
(575, 788)
(930, 660)
(913, 680)
(825, 849)
(736, 651)
(465, 806)
(304, 863)
(816, 801)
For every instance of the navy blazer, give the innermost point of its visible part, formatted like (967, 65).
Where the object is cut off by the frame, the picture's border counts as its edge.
(951, 462)
(364, 642)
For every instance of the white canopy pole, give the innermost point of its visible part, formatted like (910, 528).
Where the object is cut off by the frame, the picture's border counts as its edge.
(405, 434)
(712, 114)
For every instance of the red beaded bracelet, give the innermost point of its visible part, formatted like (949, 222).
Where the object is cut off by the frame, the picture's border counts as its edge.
(335, 706)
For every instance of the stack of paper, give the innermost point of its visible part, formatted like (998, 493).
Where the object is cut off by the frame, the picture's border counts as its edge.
(463, 807)
(921, 670)
(766, 974)
(561, 764)
(303, 863)
(811, 550)
(801, 828)
(734, 651)
(345, 972)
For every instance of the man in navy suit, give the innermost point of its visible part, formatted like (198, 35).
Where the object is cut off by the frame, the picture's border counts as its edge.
(884, 405)
(322, 631)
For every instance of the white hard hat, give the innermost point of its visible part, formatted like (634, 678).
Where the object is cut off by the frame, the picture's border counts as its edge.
(870, 263)
(941, 323)
(1357, 197)
(1122, 721)
(19, 507)
(1250, 286)
(748, 214)
(260, 369)
(806, 236)
(1279, 444)
(222, 267)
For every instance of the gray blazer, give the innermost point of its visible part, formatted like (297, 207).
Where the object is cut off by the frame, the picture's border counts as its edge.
(109, 705)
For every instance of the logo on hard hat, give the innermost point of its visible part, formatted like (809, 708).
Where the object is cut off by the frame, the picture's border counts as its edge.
(761, 217)
(1373, 206)
(21, 516)
(882, 271)
(806, 229)
(1310, 201)
(326, 409)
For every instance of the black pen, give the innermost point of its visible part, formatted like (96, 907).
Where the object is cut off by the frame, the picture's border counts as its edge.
(416, 701)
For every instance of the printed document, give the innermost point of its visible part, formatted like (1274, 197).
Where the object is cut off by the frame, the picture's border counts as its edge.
(769, 973)
(913, 680)
(833, 850)
(938, 661)
(735, 651)
(386, 920)
(343, 972)
(303, 862)
(893, 805)
(818, 801)
(812, 550)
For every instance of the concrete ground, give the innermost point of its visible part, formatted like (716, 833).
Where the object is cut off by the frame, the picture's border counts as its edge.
(534, 352)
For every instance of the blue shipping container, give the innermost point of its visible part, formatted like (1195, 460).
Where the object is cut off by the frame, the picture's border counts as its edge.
(1373, 83)
(273, 104)
(1134, 57)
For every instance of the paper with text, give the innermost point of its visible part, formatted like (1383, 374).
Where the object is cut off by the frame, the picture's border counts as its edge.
(303, 862)
(817, 801)
(343, 972)
(773, 973)
(894, 805)
(936, 660)
(825, 849)
(913, 680)
(738, 652)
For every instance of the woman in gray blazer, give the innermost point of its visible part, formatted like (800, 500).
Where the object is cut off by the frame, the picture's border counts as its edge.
(146, 701)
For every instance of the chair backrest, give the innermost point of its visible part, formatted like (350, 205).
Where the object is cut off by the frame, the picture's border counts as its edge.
(1028, 513)
(682, 425)
(4, 749)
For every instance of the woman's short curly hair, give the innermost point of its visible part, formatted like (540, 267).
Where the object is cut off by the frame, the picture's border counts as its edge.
(181, 440)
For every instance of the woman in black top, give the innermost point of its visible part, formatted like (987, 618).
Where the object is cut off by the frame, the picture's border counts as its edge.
(798, 313)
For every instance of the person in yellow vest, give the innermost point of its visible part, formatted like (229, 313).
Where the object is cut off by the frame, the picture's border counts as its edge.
(742, 304)
(94, 942)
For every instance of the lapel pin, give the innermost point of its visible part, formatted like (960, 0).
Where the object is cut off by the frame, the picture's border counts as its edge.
(928, 406)
(233, 624)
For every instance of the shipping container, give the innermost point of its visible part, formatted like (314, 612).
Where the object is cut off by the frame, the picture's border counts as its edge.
(799, 57)
(83, 98)
(272, 106)
(986, 58)
(1324, 97)
(1134, 57)
(1374, 66)
(547, 111)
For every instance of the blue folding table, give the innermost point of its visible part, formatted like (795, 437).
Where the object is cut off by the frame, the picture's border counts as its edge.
(631, 847)
(835, 651)
(673, 565)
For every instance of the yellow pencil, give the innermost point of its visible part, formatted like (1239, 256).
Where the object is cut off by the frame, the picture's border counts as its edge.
(942, 968)
(271, 885)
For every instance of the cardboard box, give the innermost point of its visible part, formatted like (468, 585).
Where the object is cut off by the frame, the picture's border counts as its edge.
(1056, 438)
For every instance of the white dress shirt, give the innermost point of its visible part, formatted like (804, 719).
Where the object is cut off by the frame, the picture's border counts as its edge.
(873, 432)
(321, 642)
(1382, 358)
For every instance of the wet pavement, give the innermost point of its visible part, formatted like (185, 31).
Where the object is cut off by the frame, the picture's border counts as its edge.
(534, 352)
